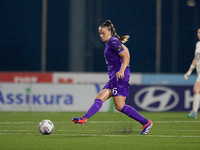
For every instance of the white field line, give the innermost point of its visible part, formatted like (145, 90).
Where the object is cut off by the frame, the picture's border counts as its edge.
(105, 122)
(94, 130)
(96, 135)
(124, 135)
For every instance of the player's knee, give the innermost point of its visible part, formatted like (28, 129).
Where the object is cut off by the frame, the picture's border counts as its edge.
(118, 107)
(195, 91)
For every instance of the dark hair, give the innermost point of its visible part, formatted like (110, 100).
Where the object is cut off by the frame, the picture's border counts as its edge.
(110, 27)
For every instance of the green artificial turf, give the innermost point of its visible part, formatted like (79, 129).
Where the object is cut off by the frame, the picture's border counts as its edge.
(103, 131)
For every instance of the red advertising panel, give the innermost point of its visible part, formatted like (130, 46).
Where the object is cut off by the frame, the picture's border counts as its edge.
(25, 77)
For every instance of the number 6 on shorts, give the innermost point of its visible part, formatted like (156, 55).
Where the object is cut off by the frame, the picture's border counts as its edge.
(114, 91)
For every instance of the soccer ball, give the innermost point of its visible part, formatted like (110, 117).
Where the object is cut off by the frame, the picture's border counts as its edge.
(46, 127)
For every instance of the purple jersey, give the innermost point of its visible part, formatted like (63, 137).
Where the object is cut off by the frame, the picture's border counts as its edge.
(113, 60)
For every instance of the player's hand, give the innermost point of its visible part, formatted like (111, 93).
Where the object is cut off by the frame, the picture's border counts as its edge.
(120, 75)
(186, 76)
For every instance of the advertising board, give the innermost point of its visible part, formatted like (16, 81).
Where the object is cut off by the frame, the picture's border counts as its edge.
(160, 98)
(25, 77)
(61, 78)
(48, 97)
(69, 97)
(167, 79)
(89, 78)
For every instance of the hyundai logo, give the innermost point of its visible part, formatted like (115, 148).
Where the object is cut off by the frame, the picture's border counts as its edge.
(156, 98)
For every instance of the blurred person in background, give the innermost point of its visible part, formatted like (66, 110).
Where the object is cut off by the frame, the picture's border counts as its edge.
(117, 59)
(196, 88)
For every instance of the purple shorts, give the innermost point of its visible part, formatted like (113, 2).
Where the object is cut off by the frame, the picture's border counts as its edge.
(118, 88)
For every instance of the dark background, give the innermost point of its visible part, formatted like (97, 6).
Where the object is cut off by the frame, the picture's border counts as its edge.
(21, 27)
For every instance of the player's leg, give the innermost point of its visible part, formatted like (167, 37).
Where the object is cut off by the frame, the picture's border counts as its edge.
(195, 105)
(102, 96)
(120, 105)
(196, 96)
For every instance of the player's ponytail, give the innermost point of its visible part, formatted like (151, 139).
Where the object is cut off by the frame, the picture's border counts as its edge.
(111, 28)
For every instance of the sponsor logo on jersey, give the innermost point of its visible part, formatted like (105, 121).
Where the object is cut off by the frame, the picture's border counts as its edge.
(119, 48)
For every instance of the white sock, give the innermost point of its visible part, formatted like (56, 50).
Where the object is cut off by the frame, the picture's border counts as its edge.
(195, 103)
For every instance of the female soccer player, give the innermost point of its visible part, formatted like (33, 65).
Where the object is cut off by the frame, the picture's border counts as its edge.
(196, 89)
(117, 59)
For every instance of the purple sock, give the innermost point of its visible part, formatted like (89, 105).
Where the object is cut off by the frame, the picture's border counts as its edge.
(94, 108)
(131, 112)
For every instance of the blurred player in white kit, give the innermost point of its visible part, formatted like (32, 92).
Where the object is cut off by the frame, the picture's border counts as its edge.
(196, 88)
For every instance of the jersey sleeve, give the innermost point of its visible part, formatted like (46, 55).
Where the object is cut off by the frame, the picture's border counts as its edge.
(197, 50)
(117, 46)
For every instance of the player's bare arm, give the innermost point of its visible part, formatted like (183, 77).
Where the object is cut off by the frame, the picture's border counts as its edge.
(192, 66)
